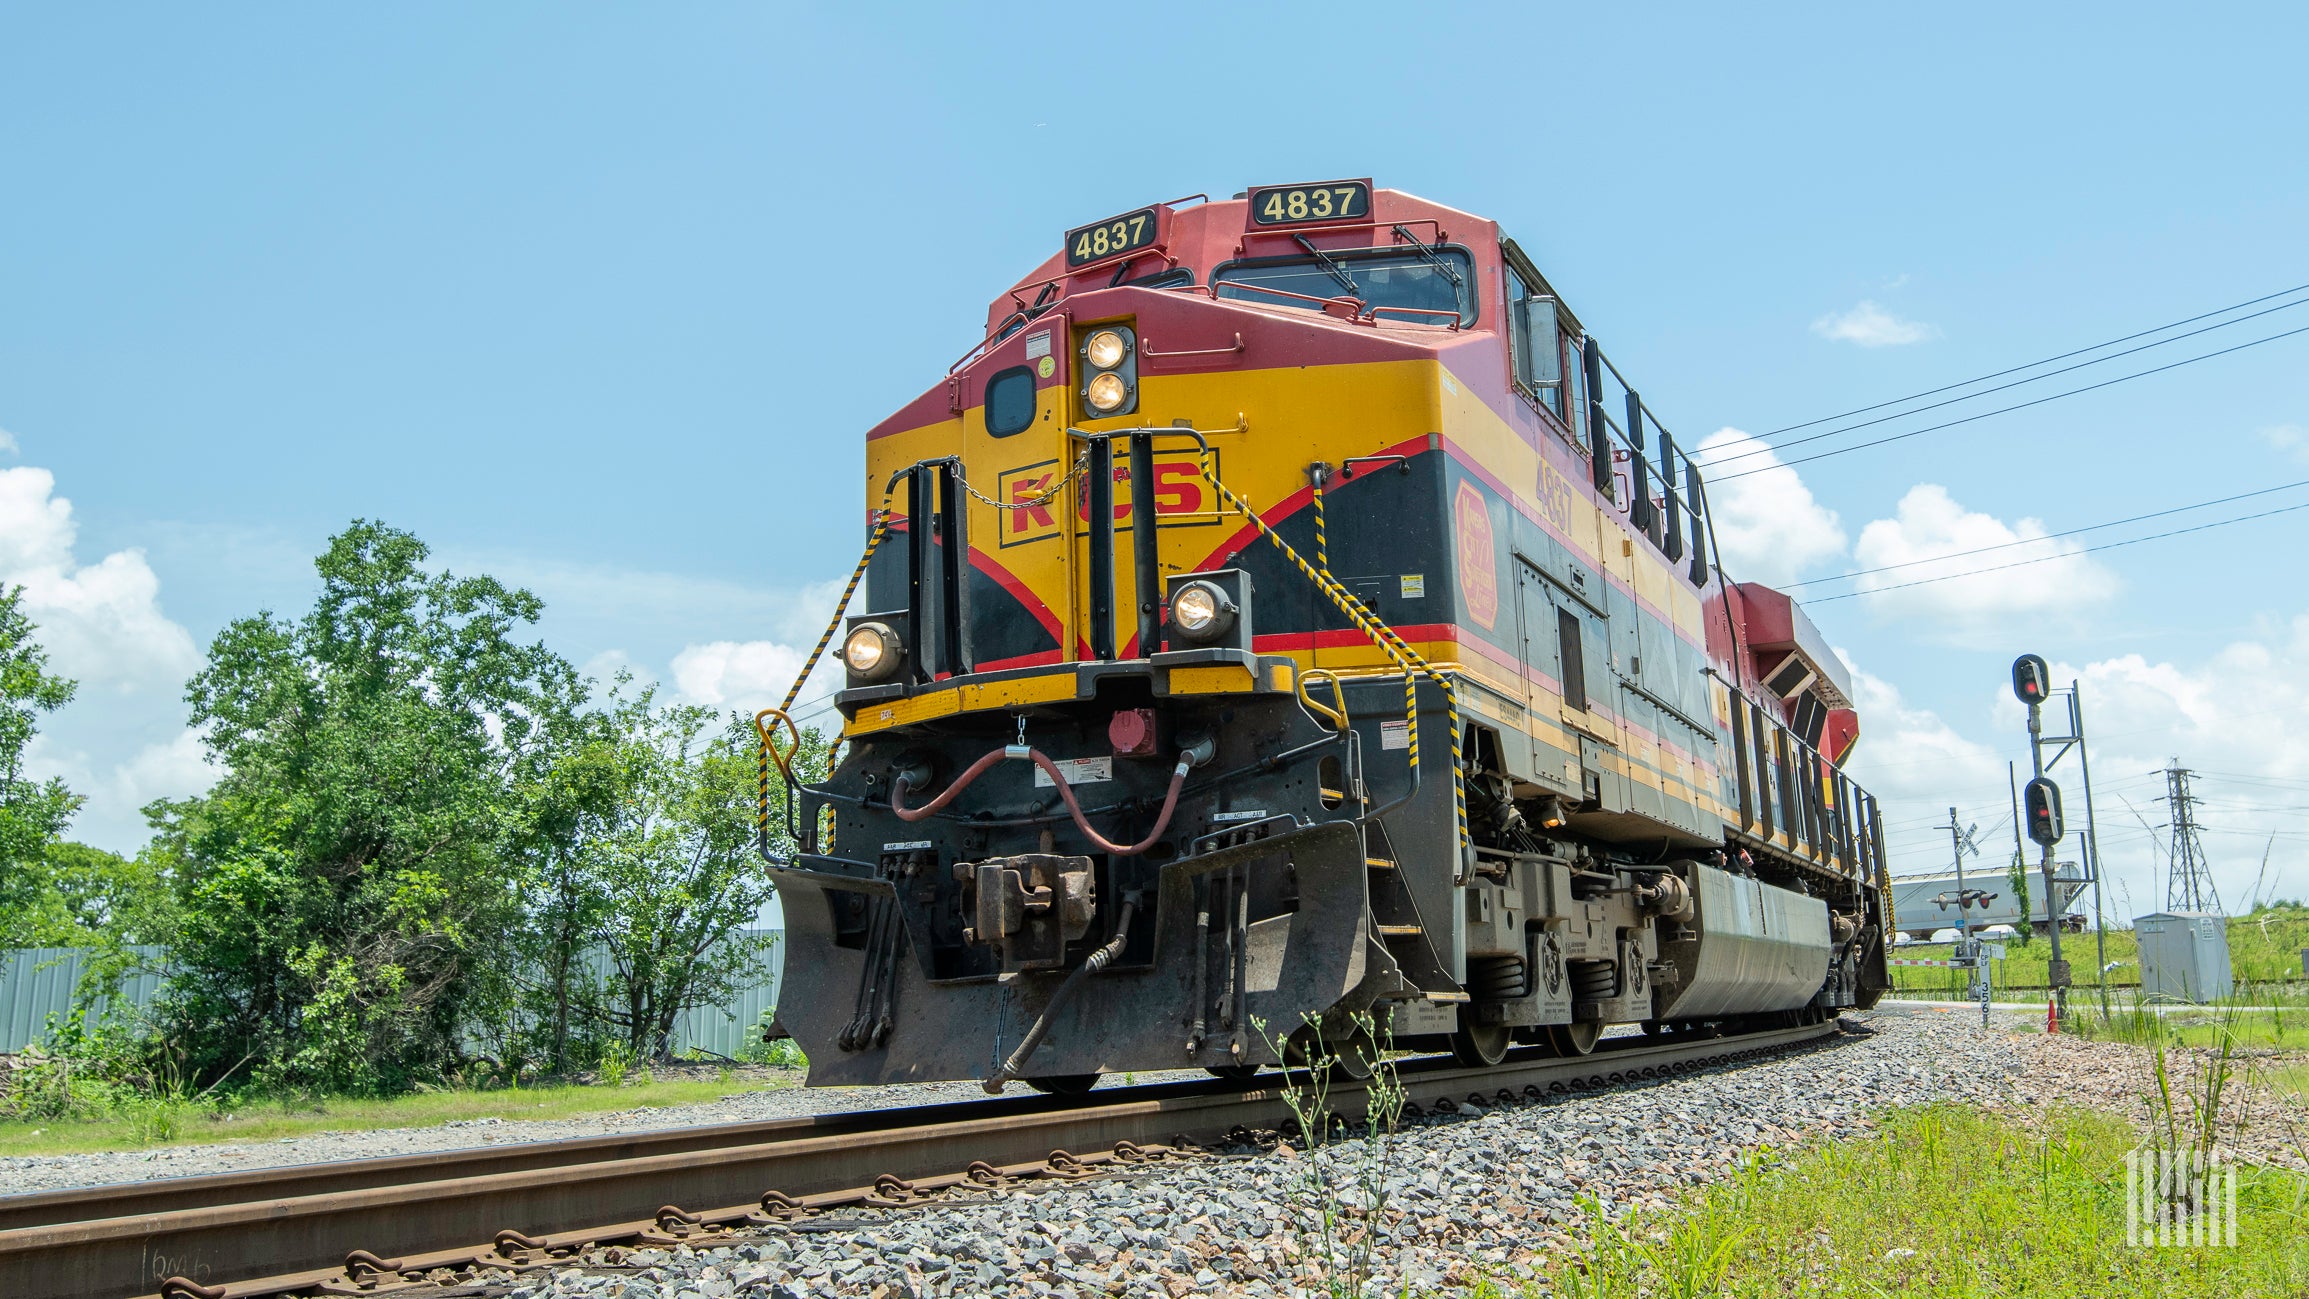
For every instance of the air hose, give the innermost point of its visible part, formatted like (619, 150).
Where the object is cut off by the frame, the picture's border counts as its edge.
(979, 768)
(1015, 1067)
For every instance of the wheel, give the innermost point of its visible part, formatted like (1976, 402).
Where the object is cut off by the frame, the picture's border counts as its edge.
(1234, 1073)
(1349, 1057)
(1479, 1046)
(1065, 1084)
(1575, 1039)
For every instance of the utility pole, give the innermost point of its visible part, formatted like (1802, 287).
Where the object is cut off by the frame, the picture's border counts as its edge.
(2032, 682)
(1967, 947)
(2189, 885)
(2076, 733)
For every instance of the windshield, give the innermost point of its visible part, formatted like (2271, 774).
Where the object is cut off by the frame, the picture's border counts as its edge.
(1423, 279)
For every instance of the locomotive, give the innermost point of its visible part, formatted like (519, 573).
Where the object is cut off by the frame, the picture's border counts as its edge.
(1287, 629)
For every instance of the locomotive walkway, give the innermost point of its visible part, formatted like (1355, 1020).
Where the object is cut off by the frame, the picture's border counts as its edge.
(379, 1226)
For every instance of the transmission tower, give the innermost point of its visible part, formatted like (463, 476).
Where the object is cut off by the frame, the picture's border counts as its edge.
(2189, 878)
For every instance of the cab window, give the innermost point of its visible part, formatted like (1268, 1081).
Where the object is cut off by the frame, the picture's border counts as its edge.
(1423, 285)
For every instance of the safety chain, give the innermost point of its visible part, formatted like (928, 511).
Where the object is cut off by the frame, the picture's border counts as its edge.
(1378, 633)
(783, 711)
(1413, 663)
(1081, 463)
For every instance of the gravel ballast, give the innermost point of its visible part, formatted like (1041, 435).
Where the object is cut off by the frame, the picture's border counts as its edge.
(1475, 1194)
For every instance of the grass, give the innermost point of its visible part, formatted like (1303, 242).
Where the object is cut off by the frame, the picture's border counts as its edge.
(2255, 1017)
(1945, 1202)
(2264, 949)
(271, 1120)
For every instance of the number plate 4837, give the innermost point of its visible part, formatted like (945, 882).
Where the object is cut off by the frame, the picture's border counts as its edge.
(1112, 237)
(1337, 200)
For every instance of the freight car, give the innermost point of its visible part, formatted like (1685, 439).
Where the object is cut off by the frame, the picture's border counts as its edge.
(1288, 620)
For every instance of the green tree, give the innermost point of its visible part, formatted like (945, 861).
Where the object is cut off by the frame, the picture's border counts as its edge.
(674, 865)
(344, 891)
(77, 895)
(568, 802)
(32, 813)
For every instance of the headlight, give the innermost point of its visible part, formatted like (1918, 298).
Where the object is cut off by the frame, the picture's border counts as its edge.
(1201, 611)
(872, 651)
(1105, 350)
(1106, 392)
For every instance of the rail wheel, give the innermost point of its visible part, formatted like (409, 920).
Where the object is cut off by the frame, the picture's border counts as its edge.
(1065, 1084)
(1575, 1039)
(1350, 1056)
(1479, 1046)
(1234, 1073)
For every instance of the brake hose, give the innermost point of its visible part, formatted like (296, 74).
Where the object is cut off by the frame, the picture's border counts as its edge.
(1015, 1066)
(979, 768)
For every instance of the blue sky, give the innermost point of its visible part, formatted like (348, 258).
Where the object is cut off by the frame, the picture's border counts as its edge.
(602, 300)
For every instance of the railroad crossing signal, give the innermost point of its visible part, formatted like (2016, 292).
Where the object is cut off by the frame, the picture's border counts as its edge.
(2031, 679)
(2040, 801)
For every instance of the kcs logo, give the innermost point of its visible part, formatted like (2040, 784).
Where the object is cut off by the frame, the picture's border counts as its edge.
(1182, 498)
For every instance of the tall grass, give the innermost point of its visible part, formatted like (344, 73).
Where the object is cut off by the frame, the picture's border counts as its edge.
(1945, 1202)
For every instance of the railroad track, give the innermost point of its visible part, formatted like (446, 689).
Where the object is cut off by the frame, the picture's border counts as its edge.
(378, 1226)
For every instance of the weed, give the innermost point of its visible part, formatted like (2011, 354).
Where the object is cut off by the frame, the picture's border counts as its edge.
(1341, 1185)
(616, 1062)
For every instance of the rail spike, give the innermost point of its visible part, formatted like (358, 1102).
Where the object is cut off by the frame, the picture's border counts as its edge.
(179, 1287)
(361, 1260)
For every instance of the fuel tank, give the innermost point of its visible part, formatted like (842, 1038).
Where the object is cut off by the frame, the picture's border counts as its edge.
(1751, 947)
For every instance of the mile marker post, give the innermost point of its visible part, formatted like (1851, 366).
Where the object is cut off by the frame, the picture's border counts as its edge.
(2040, 799)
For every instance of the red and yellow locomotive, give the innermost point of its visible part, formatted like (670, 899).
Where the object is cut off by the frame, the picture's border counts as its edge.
(1286, 620)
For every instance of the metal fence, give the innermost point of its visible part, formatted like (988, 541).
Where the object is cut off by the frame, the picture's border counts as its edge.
(36, 982)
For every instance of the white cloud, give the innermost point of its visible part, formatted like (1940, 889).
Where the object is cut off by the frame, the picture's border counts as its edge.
(100, 622)
(1870, 325)
(2221, 718)
(174, 768)
(1767, 523)
(752, 675)
(1910, 758)
(2217, 716)
(7, 441)
(2289, 439)
(1931, 536)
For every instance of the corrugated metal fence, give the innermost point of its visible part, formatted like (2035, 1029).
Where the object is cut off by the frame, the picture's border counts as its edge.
(36, 982)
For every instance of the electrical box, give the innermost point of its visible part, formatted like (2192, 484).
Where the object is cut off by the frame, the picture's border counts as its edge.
(2184, 956)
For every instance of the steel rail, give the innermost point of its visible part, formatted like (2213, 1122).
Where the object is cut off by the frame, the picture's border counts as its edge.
(280, 1231)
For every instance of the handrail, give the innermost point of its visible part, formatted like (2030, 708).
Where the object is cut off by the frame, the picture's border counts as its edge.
(1336, 716)
(1347, 466)
(1458, 322)
(1146, 349)
(1285, 232)
(784, 760)
(1303, 297)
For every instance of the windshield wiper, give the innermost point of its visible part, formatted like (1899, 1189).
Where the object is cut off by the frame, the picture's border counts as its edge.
(1431, 257)
(1331, 266)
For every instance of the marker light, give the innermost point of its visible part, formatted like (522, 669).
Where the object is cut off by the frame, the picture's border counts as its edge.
(872, 651)
(1105, 350)
(1106, 392)
(1201, 611)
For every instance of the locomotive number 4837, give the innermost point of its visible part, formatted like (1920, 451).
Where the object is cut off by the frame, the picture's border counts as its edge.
(1122, 234)
(1336, 201)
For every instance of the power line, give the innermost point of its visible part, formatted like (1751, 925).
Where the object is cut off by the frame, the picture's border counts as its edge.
(1934, 392)
(2067, 554)
(1707, 462)
(2006, 410)
(2050, 536)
